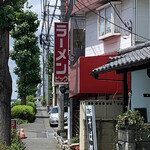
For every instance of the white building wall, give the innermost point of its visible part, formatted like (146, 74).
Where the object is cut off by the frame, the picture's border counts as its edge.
(140, 85)
(142, 18)
(127, 9)
(94, 47)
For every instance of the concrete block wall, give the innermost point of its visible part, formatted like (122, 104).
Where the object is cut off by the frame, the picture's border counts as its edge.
(106, 109)
(126, 141)
(106, 134)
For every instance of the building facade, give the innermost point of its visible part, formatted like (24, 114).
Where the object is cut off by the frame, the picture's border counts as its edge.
(99, 30)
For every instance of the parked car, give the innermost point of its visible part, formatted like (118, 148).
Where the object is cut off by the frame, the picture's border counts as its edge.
(53, 117)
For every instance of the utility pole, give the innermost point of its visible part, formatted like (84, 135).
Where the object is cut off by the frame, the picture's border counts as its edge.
(61, 110)
(47, 56)
(61, 93)
(43, 59)
(62, 10)
(45, 42)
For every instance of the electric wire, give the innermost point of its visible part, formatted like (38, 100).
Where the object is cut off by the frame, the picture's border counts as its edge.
(53, 14)
(118, 14)
(41, 6)
(44, 14)
(76, 6)
(112, 22)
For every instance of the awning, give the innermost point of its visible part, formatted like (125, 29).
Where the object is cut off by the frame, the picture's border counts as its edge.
(129, 59)
(81, 83)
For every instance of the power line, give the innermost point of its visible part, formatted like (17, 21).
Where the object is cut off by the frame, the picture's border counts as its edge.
(111, 22)
(118, 15)
(53, 14)
(44, 13)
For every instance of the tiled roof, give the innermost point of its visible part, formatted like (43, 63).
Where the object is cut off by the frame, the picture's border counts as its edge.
(129, 57)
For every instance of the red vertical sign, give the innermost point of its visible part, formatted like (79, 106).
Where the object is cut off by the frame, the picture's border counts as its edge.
(13, 124)
(61, 53)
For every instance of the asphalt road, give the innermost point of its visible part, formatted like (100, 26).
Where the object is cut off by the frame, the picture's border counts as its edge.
(40, 136)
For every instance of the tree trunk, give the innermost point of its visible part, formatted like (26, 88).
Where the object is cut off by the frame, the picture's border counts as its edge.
(23, 93)
(5, 89)
(23, 100)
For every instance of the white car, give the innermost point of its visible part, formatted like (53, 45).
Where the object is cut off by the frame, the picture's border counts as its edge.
(53, 118)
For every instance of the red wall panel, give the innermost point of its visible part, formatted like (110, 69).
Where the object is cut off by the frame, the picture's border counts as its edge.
(81, 82)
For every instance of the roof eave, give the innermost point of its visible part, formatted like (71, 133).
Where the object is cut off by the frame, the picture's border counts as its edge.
(81, 8)
(122, 69)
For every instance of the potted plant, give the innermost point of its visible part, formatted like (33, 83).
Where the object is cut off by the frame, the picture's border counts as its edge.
(75, 143)
(132, 123)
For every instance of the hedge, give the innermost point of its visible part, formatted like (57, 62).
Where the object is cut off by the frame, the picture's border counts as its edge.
(16, 143)
(32, 104)
(23, 112)
(16, 103)
(30, 98)
(29, 103)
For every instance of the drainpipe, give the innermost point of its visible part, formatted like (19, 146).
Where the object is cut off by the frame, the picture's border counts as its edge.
(125, 92)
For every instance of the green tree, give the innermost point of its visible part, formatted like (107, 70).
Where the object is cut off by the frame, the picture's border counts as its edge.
(9, 10)
(50, 72)
(26, 54)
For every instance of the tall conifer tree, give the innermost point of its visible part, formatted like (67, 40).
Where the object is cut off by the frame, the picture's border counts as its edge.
(26, 54)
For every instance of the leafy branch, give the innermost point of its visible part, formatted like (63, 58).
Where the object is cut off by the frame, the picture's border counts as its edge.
(9, 13)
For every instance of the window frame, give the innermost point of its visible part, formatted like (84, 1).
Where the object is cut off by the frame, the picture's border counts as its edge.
(112, 33)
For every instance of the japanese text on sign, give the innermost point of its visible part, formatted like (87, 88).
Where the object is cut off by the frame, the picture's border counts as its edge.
(90, 118)
(61, 53)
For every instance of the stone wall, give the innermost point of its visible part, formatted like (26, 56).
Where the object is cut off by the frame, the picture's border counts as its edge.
(106, 136)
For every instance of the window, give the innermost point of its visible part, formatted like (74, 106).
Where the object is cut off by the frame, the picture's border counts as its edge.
(55, 110)
(107, 15)
(105, 26)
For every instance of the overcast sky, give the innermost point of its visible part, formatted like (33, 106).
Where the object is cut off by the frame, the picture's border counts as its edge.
(37, 9)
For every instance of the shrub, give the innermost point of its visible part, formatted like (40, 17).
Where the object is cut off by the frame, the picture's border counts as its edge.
(132, 120)
(41, 100)
(3, 147)
(20, 121)
(75, 139)
(30, 98)
(32, 105)
(16, 103)
(16, 144)
(23, 112)
(29, 103)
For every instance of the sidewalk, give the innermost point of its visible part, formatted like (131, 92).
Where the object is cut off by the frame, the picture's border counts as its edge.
(40, 136)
